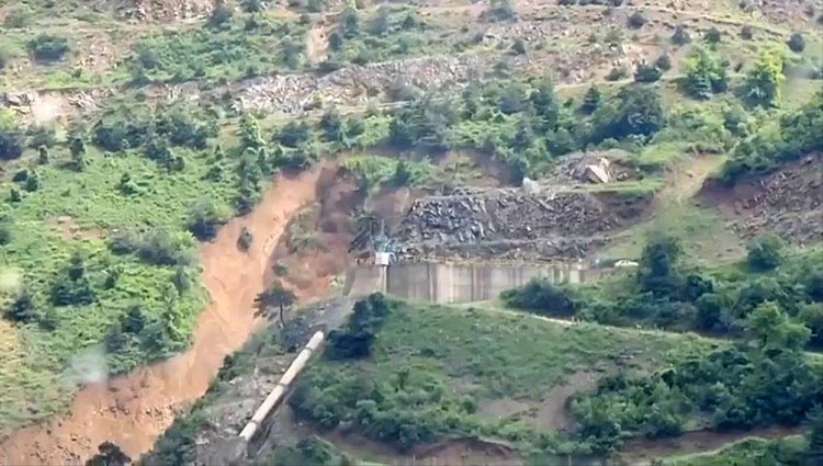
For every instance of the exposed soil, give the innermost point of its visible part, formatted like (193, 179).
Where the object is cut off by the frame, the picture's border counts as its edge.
(313, 252)
(133, 410)
(552, 414)
(788, 202)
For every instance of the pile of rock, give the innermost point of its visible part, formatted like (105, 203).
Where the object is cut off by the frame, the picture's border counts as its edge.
(594, 167)
(165, 10)
(788, 202)
(506, 222)
(352, 85)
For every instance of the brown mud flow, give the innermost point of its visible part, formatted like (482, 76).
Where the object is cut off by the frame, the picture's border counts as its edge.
(133, 410)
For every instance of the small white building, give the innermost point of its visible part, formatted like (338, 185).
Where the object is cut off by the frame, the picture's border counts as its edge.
(382, 258)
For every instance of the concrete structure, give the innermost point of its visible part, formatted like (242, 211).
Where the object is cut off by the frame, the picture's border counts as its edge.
(456, 283)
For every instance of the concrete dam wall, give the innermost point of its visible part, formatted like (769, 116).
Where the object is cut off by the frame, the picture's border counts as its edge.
(459, 283)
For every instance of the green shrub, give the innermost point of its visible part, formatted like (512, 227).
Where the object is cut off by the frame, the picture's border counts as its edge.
(591, 101)
(22, 309)
(11, 144)
(797, 43)
(646, 73)
(637, 110)
(765, 253)
(712, 36)
(72, 286)
(617, 73)
(762, 84)
(205, 217)
(356, 339)
(663, 62)
(47, 47)
(221, 14)
(681, 35)
(637, 20)
(705, 75)
(541, 296)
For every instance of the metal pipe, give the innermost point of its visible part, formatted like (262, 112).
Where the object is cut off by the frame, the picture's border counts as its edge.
(276, 395)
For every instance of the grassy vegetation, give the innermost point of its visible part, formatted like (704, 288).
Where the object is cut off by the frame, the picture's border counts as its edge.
(431, 367)
(785, 452)
(126, 216)
(387, 33)
(240, 49)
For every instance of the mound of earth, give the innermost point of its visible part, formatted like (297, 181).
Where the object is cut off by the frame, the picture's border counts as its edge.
(788, 202)
(514, 224)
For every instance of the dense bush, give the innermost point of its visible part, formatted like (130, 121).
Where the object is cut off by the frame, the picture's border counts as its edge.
(311, 451)
(356, 339)
(663, 62)
(797, 43)
(735, 389)
(713, 36)
(762, 85)
(765, 253)
(11, 144)
(681, 35)
(647, 73)
(22, 309)
(637, 110)
(48, 47)
(72, 286)
(205, 217)
(796, 135)
(637, 20)
(591, 101)
(158, 246)
(705, 75)
(541, 296)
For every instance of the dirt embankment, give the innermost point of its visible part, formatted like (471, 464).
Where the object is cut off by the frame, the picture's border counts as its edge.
(788, 202)
(514, 224)
(133, 410)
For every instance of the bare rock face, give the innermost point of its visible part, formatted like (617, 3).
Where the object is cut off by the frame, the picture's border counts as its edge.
(514, 224)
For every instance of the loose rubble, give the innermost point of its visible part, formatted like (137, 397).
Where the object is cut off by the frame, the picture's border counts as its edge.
(513, 224)
(165, 10)
(788, 202)
(353, 85)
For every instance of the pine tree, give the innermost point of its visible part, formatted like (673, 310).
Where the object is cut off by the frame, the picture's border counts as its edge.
(14, 195)
(42, 155)
(591, 101)
(78, 152)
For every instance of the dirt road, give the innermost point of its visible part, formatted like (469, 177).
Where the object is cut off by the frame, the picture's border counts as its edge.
(133, 410)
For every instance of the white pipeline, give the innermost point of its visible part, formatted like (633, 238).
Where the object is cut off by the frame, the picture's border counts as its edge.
(276, 395)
